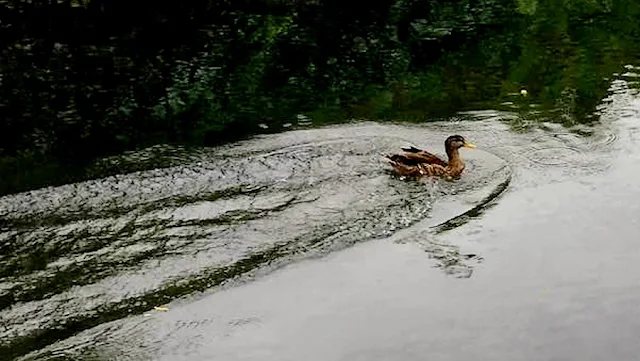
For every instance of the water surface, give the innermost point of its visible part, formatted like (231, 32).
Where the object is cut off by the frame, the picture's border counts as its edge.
(541, 247)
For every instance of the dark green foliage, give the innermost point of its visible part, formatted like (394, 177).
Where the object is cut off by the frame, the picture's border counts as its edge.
(84, 79)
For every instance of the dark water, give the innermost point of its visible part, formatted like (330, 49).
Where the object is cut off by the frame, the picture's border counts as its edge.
(532, 254)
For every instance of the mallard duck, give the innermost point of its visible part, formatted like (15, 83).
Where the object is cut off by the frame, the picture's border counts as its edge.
(417, 163)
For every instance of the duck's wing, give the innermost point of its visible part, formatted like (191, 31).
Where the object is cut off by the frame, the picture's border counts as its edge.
(403, 159)
(402, 168)
(415, 155)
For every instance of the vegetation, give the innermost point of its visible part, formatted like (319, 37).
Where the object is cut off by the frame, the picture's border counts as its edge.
(81, 79)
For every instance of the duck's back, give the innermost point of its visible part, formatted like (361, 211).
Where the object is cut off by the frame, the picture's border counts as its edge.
(422, 156)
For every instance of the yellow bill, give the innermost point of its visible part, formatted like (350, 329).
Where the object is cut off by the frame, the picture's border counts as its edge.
(469, 145)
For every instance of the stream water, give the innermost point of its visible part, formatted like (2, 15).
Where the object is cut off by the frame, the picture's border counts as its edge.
(301, 245)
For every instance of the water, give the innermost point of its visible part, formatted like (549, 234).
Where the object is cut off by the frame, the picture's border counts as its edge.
(96, 257)
(548, 269)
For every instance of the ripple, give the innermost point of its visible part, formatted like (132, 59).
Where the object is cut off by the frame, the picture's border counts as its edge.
(553, 156)
(566, 138)
(84, 254)
(628, 113)
(601, 141)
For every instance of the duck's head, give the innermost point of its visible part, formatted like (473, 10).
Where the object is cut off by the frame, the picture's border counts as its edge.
(455, 142)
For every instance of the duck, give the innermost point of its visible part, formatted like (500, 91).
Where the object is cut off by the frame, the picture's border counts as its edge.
(418, 163)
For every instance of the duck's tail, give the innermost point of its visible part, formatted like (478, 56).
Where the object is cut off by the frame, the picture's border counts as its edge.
(411, 149)
(388, 159)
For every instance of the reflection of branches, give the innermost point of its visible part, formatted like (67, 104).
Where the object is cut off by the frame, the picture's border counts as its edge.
(59, 219)
(451, 261)
(88, 242)
(447, 256)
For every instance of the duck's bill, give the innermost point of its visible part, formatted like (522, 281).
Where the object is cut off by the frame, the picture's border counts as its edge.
(469, 145)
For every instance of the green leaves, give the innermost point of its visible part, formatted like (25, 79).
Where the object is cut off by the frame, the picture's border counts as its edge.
(527, 7)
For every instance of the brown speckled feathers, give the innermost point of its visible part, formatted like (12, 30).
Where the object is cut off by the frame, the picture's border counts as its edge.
(415, 163)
